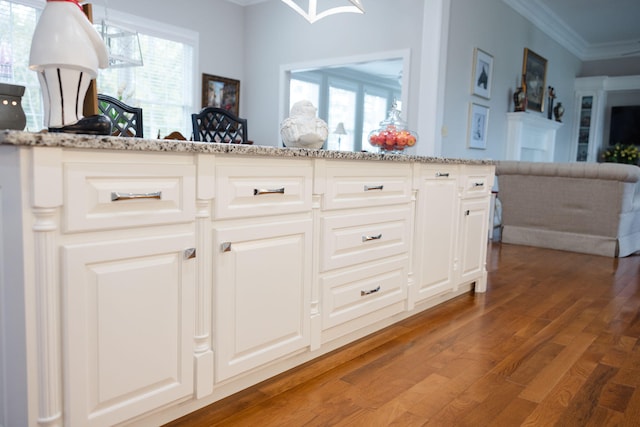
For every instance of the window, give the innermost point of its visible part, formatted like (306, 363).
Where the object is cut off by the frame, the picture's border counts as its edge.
(163, 86)
(375, 110)
(301, 90)
(357, 100)
(342, 109)
(18, 23)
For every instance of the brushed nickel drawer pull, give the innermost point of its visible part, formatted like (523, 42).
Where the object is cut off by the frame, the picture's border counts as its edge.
(442, 174)
(373, 187)
(369, 292)
(115, 196)
(478, 184)
(225, 247)
(261, 191)
(190, 253)
(368, 238)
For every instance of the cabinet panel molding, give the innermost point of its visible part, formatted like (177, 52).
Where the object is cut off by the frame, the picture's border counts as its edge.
(109, 196)
(127, 325)
(262, 292)
(362, 236)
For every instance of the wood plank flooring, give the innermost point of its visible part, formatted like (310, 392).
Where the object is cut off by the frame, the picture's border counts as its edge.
(553, 342)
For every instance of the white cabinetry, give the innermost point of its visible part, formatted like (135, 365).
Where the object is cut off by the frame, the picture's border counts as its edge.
(108, 266)
(127, 284)
(474, 223)
(364, 243)
(138, 286)
(262, 230)
(590, 102)
(128, 326)
(436, 226)
(451, 229)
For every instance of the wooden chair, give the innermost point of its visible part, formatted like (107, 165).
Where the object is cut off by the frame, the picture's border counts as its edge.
(214, 124)
(126, 120)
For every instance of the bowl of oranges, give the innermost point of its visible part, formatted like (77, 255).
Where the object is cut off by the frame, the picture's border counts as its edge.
(393, 135)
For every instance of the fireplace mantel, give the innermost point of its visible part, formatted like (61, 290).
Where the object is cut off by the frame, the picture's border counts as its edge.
(531, 137)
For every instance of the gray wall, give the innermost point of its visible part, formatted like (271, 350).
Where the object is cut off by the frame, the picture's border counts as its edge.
(276, 36)
(252, 43)
(624, 66)
(494, 27)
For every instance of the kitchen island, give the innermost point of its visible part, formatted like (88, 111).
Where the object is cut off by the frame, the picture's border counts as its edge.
(144, 279)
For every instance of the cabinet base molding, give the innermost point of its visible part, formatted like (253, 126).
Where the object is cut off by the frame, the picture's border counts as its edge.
(203, 372)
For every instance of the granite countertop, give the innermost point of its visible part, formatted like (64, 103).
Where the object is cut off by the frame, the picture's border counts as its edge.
(46, 139)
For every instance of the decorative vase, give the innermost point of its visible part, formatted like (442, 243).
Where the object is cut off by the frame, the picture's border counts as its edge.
(520, 99)
(11, 113)
(558, 111)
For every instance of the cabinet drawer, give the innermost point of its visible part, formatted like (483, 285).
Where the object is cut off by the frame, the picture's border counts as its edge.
(258, 187)
(114, 195)
(477, 183)
(353, 185)
(363, 236)
(363, 290)
(440, 172)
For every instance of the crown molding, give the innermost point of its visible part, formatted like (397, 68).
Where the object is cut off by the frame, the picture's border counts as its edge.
(552, 25)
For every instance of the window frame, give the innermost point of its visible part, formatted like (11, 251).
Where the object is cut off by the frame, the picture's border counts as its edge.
(161, 30)
(147, 27)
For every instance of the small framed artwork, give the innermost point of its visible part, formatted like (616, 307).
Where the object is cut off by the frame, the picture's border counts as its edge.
(478, 121)
(534, 70)
(482, 73)
(221, 92)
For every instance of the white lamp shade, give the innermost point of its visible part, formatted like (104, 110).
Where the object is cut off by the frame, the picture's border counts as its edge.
(340, 129)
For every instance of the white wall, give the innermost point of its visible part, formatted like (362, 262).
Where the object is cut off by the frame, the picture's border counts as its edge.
(494, 27)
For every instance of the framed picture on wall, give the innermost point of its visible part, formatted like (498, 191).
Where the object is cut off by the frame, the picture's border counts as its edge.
(534, 70)
(482, 73)
(221, 92)
(478, 122)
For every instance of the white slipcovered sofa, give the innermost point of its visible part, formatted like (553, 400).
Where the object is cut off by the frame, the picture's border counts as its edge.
(591, 208)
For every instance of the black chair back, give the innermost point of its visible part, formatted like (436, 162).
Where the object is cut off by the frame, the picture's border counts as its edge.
(125, 120)
(213, 124)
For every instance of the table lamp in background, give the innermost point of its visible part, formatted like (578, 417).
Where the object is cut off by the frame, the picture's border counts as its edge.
(340, 131)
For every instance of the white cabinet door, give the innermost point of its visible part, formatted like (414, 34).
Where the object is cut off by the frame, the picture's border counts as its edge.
(262, 283)
(437, 220)
(128, 327)
(473, 241)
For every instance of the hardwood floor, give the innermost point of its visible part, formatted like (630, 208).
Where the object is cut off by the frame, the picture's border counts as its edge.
(554, 341)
